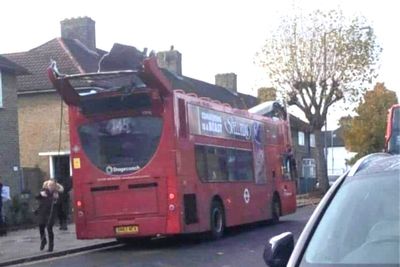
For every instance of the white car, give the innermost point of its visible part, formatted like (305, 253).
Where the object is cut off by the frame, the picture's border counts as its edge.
(357, 223)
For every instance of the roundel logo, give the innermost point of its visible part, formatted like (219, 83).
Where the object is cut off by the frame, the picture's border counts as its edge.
(109, 169)
(246, 196)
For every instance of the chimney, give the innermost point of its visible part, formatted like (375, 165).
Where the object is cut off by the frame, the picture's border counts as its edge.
(170, 60)
(227, 80)
(82, 28)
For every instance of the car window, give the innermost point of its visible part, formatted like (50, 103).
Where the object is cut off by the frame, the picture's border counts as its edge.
(360, 226)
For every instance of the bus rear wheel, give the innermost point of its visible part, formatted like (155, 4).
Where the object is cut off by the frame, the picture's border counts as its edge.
(276, 209)
(217, 220)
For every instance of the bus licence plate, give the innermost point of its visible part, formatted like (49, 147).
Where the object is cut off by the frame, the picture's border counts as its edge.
(129, 229)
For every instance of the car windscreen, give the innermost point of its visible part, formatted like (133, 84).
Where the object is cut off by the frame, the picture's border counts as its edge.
(360, 226)
(121, 145)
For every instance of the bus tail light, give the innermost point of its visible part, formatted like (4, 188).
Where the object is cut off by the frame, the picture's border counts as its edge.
(79, 204)
(172, 205)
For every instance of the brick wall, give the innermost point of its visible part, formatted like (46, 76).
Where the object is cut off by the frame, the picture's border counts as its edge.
(39, 126)
(9, 151)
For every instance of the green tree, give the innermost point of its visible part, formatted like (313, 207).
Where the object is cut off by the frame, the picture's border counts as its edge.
(266, 94)
(317, 60)
(365, 133)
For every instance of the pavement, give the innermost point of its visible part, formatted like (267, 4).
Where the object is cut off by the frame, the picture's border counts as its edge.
(22, 246)
(307, 199)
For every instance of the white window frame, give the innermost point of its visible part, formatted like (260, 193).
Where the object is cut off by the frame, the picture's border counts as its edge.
(301, 138)
(312, 140)
(309, 163)
(1, 90)
(51, 155)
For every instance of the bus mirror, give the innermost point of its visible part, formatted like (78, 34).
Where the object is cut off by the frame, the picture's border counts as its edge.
(278, 250)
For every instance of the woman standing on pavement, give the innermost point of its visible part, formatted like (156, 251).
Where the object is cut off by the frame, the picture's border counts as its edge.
(48, 198)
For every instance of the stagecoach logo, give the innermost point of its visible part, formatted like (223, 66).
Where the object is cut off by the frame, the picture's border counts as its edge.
(236, 128)
(246, 195)
(112, 170)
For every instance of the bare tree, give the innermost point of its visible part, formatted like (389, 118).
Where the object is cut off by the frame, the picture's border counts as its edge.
(317, 60)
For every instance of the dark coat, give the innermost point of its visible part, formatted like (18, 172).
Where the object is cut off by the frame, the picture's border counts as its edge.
(47, 210)
(1, 204)
(1, 200)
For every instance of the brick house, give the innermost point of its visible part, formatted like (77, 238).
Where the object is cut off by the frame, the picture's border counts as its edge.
(44, 144)
(9, 143)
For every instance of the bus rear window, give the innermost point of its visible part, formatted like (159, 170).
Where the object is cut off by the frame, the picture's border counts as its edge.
(91, 106)
(223, 164)
(121, 145)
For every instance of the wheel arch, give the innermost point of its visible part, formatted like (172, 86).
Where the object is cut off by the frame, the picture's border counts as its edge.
(217, 198)
(277, 197)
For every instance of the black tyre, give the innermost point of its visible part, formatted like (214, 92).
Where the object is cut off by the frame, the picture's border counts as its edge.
(276, 209)
(217, 220)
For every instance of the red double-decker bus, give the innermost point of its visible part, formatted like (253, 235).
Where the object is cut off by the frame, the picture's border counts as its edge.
(392, 137)
(151, 160)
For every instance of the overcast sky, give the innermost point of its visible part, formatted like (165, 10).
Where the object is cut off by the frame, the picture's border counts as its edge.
(213, 36)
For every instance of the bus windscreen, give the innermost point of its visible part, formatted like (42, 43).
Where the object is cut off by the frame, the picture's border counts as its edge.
(121, 145)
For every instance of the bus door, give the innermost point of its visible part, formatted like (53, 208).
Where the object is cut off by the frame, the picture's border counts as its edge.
(287, 185)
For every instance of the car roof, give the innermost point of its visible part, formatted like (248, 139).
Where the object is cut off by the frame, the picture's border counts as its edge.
(376, 163)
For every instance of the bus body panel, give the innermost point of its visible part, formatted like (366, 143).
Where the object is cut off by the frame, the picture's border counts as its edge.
(118, 199)
(237, 209)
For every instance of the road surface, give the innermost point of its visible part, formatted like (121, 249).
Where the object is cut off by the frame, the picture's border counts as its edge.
(242, 246)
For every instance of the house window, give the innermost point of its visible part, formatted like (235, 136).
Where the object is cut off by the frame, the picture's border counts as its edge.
(309, 168)
(312, 140)
(1, 91)
(301, 138)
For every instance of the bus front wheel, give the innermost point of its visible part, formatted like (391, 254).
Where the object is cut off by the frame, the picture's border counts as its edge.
(217, 220)
(276, 209)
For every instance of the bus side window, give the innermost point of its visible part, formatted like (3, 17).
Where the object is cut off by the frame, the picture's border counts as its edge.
(242, 167)
(201, 162)
(216, 163)
(223, 164)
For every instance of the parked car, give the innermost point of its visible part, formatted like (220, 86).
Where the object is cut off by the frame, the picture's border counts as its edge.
(356, 223)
